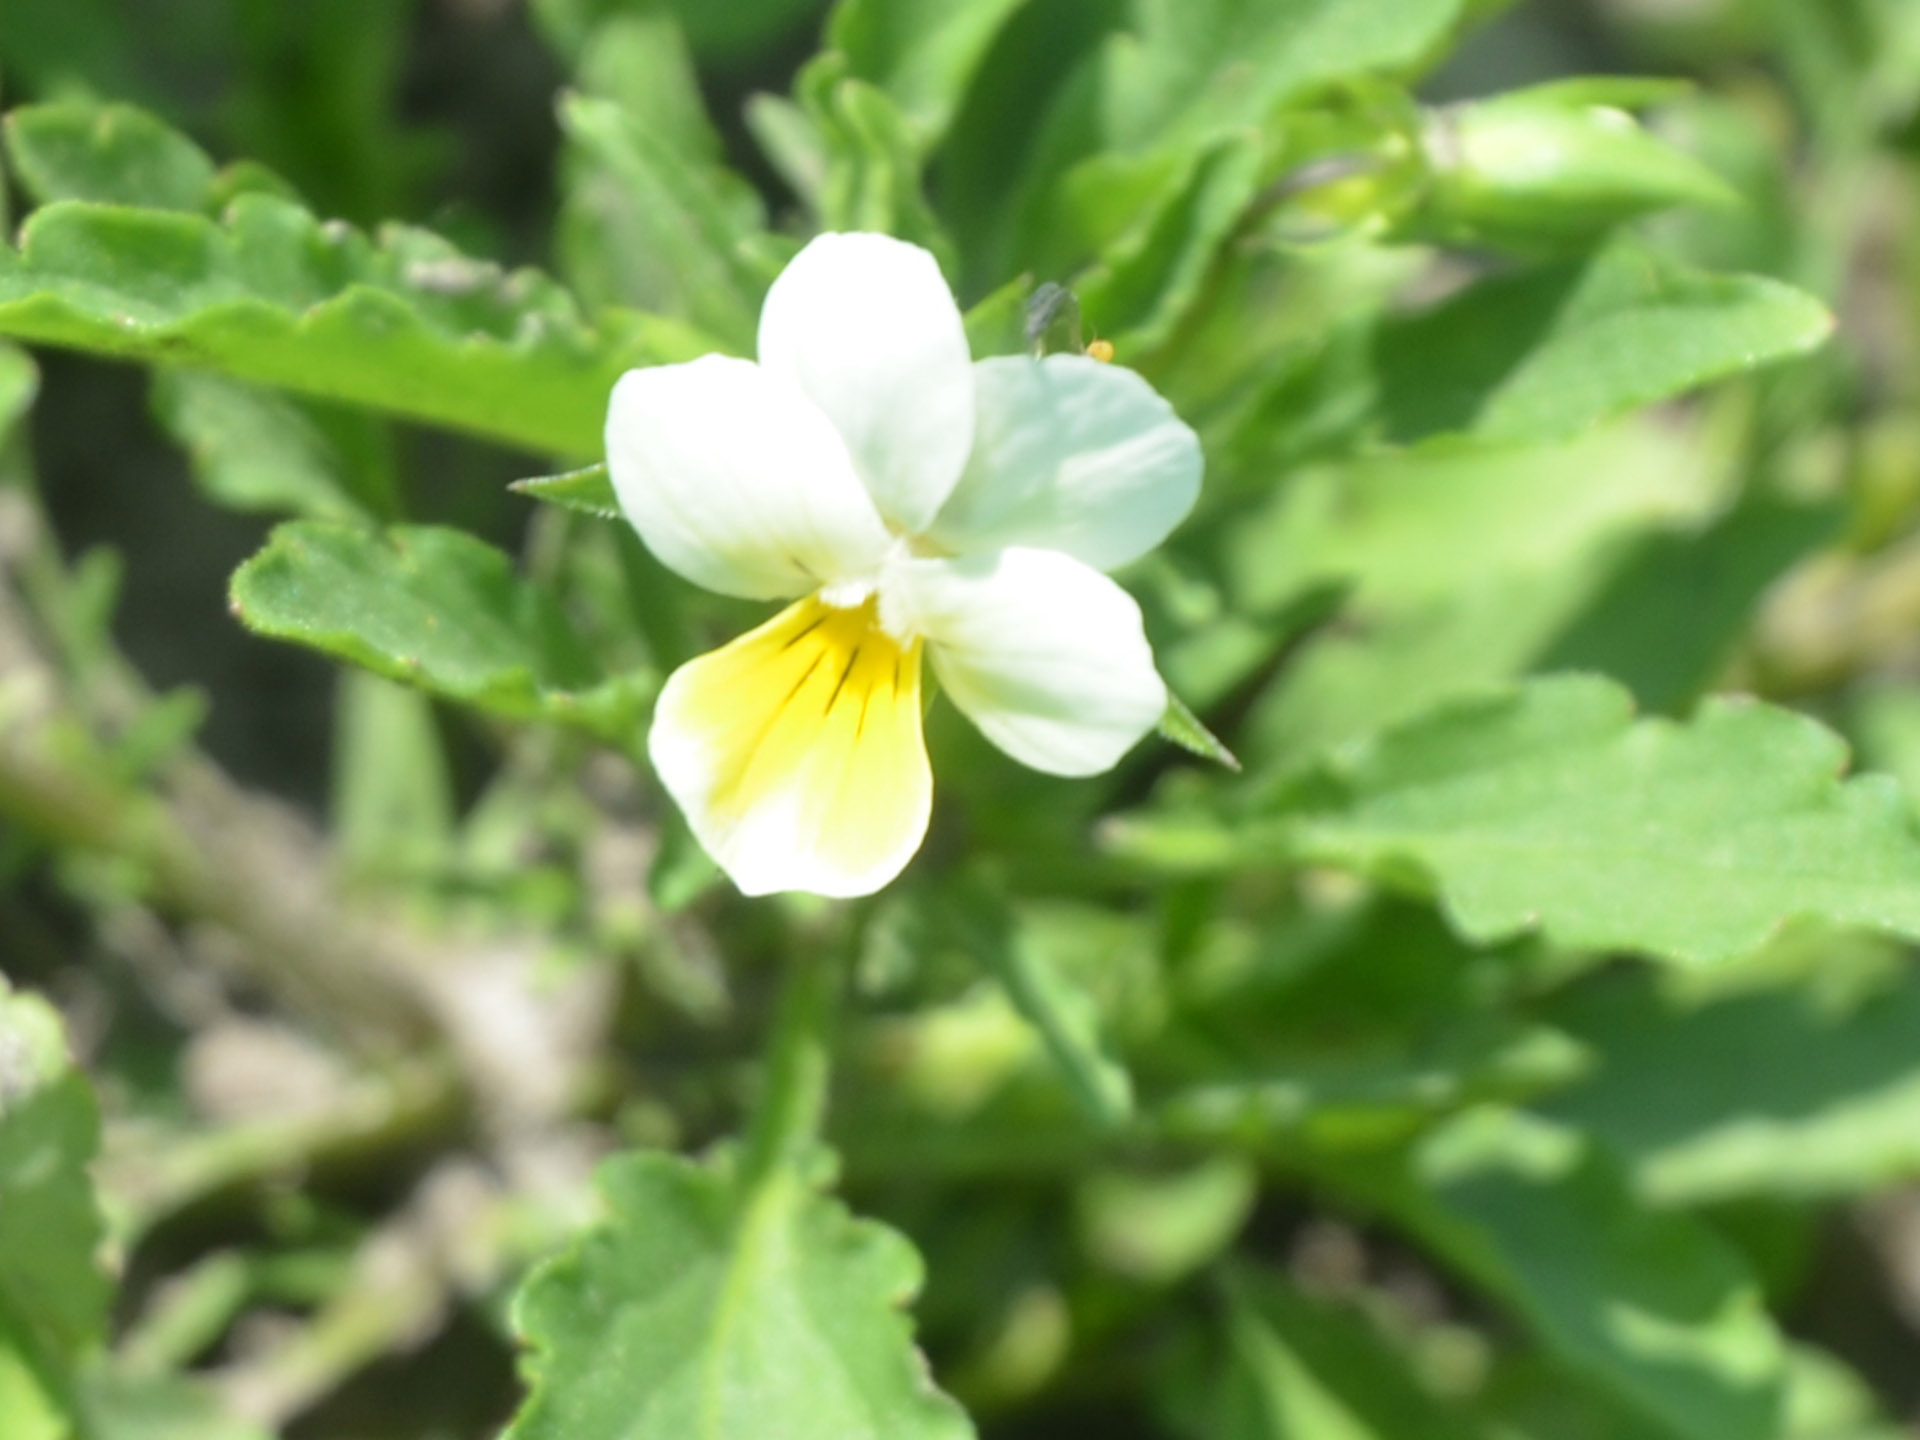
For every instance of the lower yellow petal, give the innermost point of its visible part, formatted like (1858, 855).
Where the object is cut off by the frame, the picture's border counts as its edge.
(796, 752)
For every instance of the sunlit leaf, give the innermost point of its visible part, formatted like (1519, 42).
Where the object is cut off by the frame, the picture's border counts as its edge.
(269, 294)
(1550, 807)
(53, 1293)
(437, 609)
(715, 1304)
(1653, 1307)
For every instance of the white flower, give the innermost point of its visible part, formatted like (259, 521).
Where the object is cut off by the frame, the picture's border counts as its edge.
(916, 503)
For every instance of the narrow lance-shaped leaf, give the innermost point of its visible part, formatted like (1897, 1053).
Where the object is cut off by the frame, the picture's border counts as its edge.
(1698, 1100)
(1549, 806)
(717, 1303)
(53, 1296)
(1546, 354)
(923, 53)
(437, 609)
(1653, 1307)
(255, 449)
(1288, 1367)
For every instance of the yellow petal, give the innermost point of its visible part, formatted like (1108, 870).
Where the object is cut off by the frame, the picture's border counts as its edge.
(796, 752)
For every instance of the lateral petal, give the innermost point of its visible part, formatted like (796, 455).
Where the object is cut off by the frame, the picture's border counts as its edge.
(796, 752)
(867, 327)
(1040, 650)
(735, 480)
(1070, 454)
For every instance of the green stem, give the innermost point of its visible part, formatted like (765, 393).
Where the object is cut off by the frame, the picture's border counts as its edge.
(792, 1107)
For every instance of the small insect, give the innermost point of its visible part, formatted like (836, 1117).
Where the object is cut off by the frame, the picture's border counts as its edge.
(1053, 325)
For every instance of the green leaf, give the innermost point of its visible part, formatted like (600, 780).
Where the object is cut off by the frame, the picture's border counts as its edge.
(255, 450)
(1347, 1032)
(715, 1303)
(1184, 728)
(1453, 569)
(997, 324)
(1294, 1368)
(120, 1407)
(1651, 1306)
(113, 154)
(392, 803)
(408, 326)
(1698, 1098)
(1548, 806)
(872, 179)
(647, 225)
(1061, 1012)
(588, 491)
(1160, 1226)
(923, 53)
(19, 383)
(1196, 69)
(53, 1296)
(1543, 355)
(1551, 806)
(437, 609)
(1152, 277)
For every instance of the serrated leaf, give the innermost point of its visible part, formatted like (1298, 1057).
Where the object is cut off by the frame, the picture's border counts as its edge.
(715, 1305)
(1651, 1306)
(437, 609)
(589, 491)
(923, 53)
(112, 154)
(53, 1294)
(1552, 806)
(1546, 354)
(1548, 806)
(269, 294)
(1185, 729)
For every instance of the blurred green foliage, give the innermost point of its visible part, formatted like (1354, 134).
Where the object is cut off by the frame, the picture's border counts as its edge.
(1522, 1046)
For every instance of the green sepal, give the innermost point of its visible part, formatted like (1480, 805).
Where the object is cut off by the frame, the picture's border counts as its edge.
(588, 491)
(1180, 725)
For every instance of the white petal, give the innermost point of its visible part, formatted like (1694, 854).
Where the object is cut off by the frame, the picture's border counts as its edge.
(796, 752)
(1045, 654)
(1070, 454)
(737, 482)
(868, 328)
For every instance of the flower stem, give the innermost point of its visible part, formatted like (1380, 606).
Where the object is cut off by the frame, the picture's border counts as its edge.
(792, 1107)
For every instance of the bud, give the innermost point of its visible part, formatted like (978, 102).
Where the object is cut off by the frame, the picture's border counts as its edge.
(1554, 166)
(1351, 164)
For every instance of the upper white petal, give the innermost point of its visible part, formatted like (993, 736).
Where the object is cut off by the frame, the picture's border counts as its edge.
(734, 479)
(1070, 454)
(1044, 653)
(869, 330)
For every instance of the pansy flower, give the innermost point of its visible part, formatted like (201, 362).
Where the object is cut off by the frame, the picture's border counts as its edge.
(916, 507)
